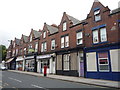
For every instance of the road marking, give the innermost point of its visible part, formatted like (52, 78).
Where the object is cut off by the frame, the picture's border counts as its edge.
(36, 86)
(1, 87)
(15, 79)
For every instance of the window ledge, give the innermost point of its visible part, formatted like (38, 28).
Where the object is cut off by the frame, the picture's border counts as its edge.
(100, 43)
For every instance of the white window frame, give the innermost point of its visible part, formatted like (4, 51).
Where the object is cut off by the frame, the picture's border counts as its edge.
(79, 36)
(44, 47)
(44, 34)
(53, 44)
(97, 15)
(103, 34)
(62, 42)
(67, 41)
(66, 62)
(30, 38)
(103, 64)
(24, 50)
(36, 46)
(16, 51)
(95, 36)
(64, 26)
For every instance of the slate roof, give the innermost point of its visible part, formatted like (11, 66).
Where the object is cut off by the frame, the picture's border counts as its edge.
(17, 41)
(25, 38)
(115, 11)
(36, 33)
(74, 20)
(52, 29)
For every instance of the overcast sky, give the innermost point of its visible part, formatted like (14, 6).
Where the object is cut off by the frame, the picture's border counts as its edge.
(17, 17)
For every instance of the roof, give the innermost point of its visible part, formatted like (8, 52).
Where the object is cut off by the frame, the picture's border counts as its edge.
(115, 10)
(52, 29)
(25, 38)
(17, 41)
(74, 20)
(36, 33)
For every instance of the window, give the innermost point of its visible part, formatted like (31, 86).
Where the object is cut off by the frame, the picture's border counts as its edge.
(79, 38)
(62, 42)
(52, 44)
(66, 41)
(103, 61)
(44, 47)
(44, 34)
(24, 50)
(30, 46)
(103, 35)
(95, 36)
(64, 26)
(21, 51)
(13, 53)
(97, 15)
(66, 59)
(36, 46)
(14, 44)
(16, 51)
(30, 38)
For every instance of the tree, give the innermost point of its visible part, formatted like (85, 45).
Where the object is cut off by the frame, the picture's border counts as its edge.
(3, 52)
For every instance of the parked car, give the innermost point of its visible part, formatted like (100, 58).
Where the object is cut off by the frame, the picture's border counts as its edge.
(3, 68)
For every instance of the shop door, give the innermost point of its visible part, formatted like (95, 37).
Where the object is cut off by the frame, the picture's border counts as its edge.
(81, 65)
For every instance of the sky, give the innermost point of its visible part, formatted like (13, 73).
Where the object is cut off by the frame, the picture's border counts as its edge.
(18, 17)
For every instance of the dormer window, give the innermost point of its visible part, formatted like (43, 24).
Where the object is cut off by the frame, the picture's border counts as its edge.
(44, 34)
(97, 15)
(64, 26)
(30, 38)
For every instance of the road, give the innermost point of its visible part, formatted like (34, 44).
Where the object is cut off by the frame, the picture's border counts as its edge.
(17, 81)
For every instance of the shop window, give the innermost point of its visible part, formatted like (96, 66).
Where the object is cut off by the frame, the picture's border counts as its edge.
(95, 36)
(66, 61)
(103, 61)
(52, 44)
(79, 38)
(97, 15)
(64, 26)
(103, 34)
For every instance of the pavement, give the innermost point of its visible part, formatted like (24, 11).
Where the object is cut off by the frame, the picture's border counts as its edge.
(97, 82)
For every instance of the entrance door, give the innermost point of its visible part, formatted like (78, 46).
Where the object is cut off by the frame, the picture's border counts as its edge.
(81, 64)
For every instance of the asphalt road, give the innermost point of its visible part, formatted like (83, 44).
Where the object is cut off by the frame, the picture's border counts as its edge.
(19, 81)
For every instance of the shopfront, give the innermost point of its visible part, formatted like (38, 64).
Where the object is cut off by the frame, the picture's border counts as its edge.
(20, 63)
(48, 60)
(30, 63)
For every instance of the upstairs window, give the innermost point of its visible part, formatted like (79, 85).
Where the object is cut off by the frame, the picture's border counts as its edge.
(43, 47)
(30, 38)
(62, 42)
(79, 38)
(36, 46)
(24, 50)
(103, 34)
(95, 36)
(66, 41)
(44, 34)
(16, 51)
(97, 15)
(64, 26)
(52, 44)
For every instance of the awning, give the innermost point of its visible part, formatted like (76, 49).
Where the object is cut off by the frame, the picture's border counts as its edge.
(19, 59)
(9, 60)
(30, 57)
(44, 56)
